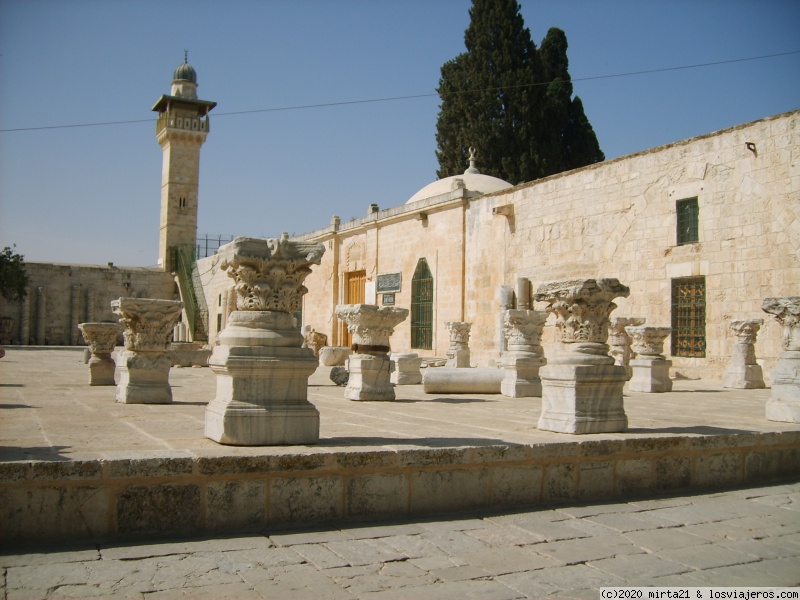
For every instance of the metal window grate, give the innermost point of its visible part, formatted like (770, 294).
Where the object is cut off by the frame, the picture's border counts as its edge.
(689, 317)
(687, 217)
(422, 307)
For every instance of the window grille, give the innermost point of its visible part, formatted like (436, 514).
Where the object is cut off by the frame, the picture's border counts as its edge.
(689, 317)
(422, 307)
(687, 216)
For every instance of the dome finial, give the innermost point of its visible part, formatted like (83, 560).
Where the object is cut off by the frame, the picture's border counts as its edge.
(472, 154)
(185, 57)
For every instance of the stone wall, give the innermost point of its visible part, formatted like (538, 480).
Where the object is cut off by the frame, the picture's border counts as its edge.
(60, 296)
(613, 219)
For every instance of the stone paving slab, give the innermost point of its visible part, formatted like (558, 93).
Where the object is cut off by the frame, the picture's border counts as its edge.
(442, 558)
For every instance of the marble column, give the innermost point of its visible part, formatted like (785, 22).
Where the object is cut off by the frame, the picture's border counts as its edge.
(75, 317)
(458, 353)
(369, 365)
(261, 368)
(650, 368)
(784, 404)
(41, 312)
(102, 339)
(581, 385)
(25, 319)
(743, 371)
(524, 355)
(144, 364)
(405, 368)
(620, 341)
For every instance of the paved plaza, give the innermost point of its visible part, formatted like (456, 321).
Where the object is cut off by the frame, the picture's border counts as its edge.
(746, 536)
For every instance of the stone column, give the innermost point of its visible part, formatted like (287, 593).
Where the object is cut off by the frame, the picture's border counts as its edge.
(581, 386)
(75, 318)
(41, 310)
(524, 357)
(25, 319)
(505, 297)
(144, 364)
(743, 371)
(650, 368)
(405, 368)
(370, 327)
(90, 305)
(784, 405)
(458, 353)
(620, 341)
(261, 369)
(101, 338)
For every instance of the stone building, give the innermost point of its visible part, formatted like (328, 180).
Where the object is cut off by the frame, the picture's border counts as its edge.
(701, 230)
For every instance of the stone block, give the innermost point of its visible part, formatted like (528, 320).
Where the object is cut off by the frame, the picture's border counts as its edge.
(159, 510)
(333, 356)
(516, 485)
(635, 475)
(673, 472)
(449, 489)
(311, 499)
(560, 482)
(236, 505)
(369, 378)
(718, 470)
(596, 480)
(650, 375)
(405, 369)
(143, 378)
(583, 399)
(377, 495)
(53, 513)
(772, 463)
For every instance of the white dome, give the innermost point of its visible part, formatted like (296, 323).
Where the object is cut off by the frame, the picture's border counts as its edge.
(472, 180)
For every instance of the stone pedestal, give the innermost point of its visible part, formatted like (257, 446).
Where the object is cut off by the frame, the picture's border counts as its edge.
(370, 327)
(524, 355)
(650, 368)
(261, 369)
(458, 353)
(144, 364)
(743, 371)
(581, 386)
(620, 342)
(784, 405)
(102, 339)
(405, 369)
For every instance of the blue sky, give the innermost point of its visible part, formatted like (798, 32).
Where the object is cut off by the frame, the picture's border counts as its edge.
(92, 194)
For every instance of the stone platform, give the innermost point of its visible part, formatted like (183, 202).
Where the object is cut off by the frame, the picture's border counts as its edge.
(74, 464)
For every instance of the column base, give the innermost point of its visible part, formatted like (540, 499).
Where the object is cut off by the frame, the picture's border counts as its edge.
(262, 397)
(369, 378)
(101, 370)
(744, 377)
(784, 405)
(581, 399)
(144, 378)
(650, 375)
(521, 379)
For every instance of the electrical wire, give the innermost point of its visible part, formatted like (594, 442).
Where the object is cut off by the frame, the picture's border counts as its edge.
(414, 96)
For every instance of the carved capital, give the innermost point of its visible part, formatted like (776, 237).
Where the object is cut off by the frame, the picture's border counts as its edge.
(147, 323)
(787, 313)
(582, 307)
(746, 330)
(268, 274)
(459, 333)
(523, 330)
(617, 336)
(646, 340)
(100, 337)
(371, 326)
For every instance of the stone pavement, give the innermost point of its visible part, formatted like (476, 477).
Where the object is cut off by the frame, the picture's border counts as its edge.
(746, 537)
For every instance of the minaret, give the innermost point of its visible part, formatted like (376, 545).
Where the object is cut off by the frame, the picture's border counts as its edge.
(181, 129)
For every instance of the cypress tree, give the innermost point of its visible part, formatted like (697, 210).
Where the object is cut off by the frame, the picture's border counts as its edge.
(511, 101)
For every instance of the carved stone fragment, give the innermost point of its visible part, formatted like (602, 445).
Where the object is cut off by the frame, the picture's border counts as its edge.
(784, 404)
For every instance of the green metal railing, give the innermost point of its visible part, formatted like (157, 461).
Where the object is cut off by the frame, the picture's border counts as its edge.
(191, 288)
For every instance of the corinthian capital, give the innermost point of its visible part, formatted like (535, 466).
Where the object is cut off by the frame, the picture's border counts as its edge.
(100, 337)
(268, 274)
(582, 307)
(371, 326)
(147, 323)
(787, 313)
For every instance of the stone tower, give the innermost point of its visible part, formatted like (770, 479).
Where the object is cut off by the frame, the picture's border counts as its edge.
(181, 129)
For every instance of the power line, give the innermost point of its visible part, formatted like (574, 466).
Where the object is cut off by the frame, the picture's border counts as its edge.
(412, 97)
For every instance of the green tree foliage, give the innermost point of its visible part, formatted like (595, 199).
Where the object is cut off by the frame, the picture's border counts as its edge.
(511, 101)
(13, 278)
